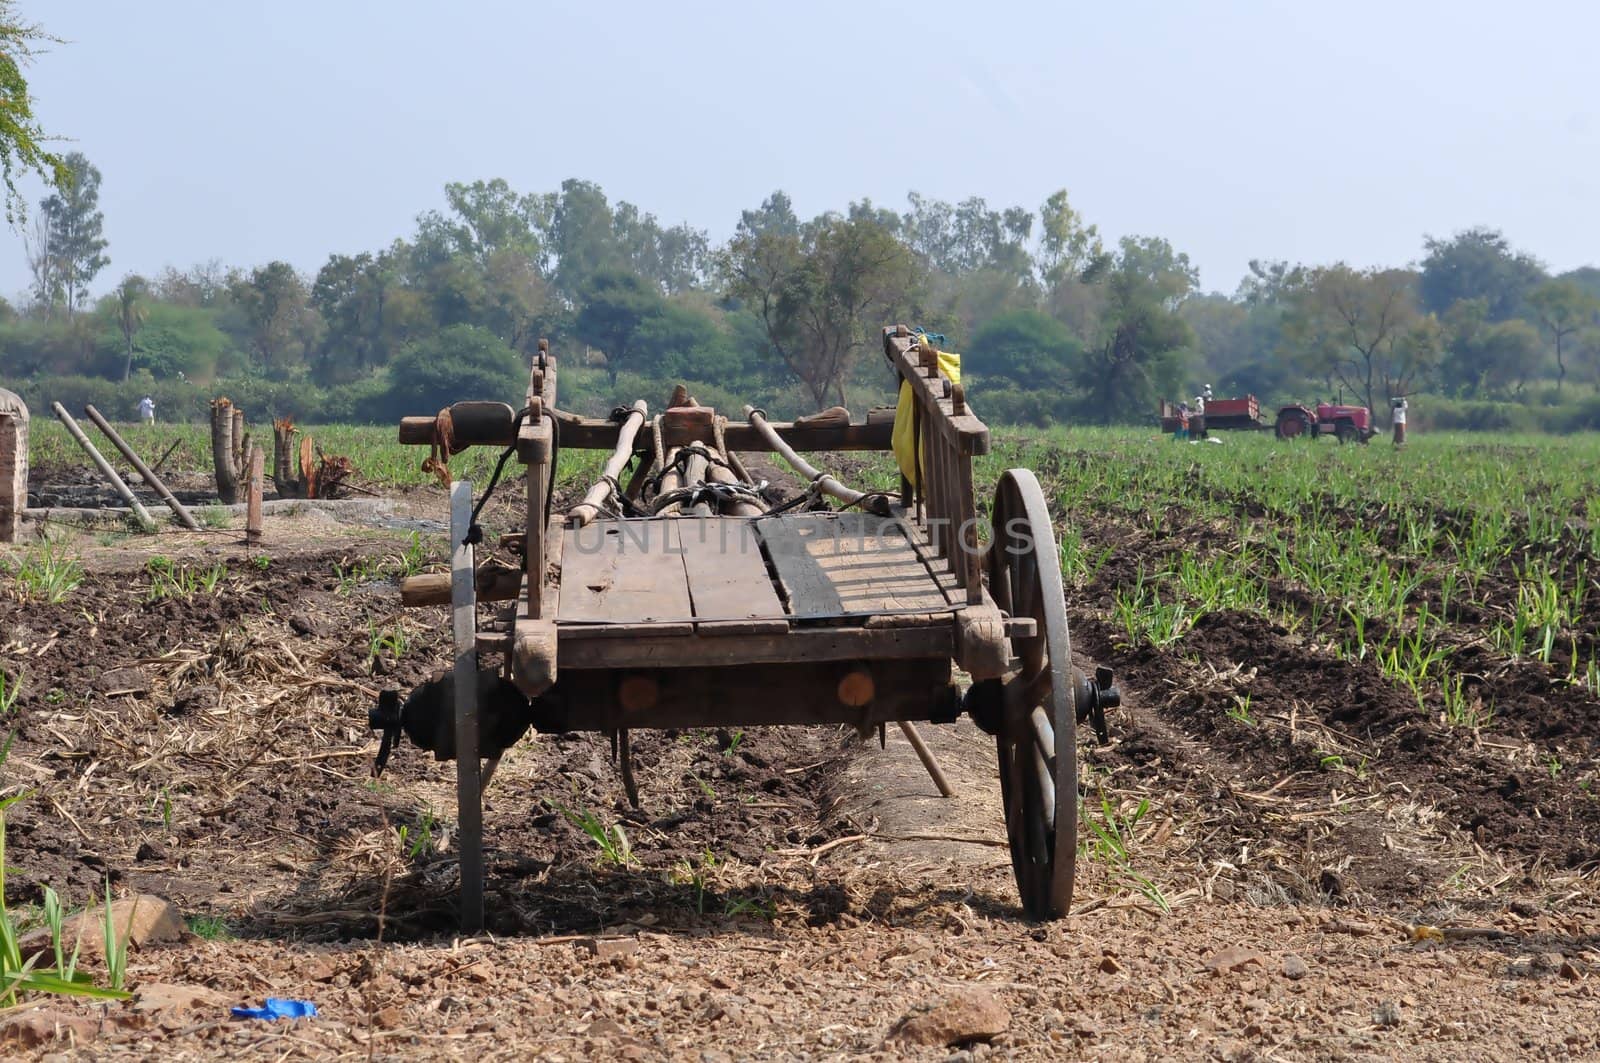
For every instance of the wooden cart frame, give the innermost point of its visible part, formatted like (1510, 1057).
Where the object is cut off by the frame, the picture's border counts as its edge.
(717, 608)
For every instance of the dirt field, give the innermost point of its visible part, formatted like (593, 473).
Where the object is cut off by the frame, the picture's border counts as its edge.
(1330, 872)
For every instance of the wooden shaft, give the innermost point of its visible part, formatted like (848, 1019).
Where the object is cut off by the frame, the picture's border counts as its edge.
(672, 479)
(137, 462)
(722, 475)
(925, 754)
(140, 514)
(695, 473)
(587, 510)
(828, 484)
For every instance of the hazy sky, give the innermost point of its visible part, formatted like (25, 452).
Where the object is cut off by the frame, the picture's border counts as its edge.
(1310, 130)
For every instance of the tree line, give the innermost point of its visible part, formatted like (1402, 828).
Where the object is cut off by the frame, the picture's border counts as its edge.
(1056, 324)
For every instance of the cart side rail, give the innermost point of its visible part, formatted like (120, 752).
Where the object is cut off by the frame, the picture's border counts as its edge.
(946, 435)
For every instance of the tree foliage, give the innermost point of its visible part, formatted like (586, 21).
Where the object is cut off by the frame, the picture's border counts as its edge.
(1054, 322)
(457, 363)
(22, 140)
(617, 307)
(130, 298)
(1476, 264)
(1027, 348)
(819, 289)
(1563, 307)
(75, 226)
(1137, 354)
(1360, 329)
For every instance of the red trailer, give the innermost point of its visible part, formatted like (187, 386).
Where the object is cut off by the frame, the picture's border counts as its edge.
(1241, 413)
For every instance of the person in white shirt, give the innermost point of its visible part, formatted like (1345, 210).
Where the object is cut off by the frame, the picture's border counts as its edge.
(147, 410)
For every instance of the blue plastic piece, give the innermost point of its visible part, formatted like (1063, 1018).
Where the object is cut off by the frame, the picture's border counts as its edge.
(279, 1008)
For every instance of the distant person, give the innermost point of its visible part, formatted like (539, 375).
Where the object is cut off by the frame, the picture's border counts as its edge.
(1197, 419)
(1399, 421)
(147, 410)
(1181, 432)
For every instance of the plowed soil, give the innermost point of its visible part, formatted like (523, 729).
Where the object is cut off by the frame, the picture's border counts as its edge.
(1331, 872)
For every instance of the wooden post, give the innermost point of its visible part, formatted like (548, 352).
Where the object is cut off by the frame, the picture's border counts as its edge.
(155, 482)
(140, 514)
(469, 789)
(252, 519)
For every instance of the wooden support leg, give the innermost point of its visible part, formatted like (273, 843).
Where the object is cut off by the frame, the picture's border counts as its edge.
(926, 756)
(630, 785)
(469, 785)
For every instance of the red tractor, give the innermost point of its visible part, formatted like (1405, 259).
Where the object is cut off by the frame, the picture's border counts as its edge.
(1349, 424)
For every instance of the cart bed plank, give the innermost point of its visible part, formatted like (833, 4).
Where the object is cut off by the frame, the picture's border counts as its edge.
(612, 575)
(728, 577)
(849, 564)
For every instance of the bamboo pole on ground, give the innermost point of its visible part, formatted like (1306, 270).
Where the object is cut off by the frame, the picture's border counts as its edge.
(155, 482)
(140, 514)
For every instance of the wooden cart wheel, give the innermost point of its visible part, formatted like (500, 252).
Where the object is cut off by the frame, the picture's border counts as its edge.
(1038, 734)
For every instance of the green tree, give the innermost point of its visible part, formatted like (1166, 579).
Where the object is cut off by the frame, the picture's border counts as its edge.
(44, 268)
(582, 229)
(674, 259)
(1067, 247)
(131, 297)
(457, 363)
(177, 340)
(1031, 350)
(75, 225)
(279, 324)
(1562, 307)
(1476, 264)
(616, 306)
(1357, 328)
(819, 290)
(685, 342)
(1486, 358)
(22, 139)
(486, 218)
(963, 238)
(1141, 340)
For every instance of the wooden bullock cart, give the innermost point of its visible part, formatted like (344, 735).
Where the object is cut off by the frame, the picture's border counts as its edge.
(687, 597)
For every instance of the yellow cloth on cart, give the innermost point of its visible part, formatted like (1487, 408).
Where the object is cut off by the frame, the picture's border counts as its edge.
(950, 365)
